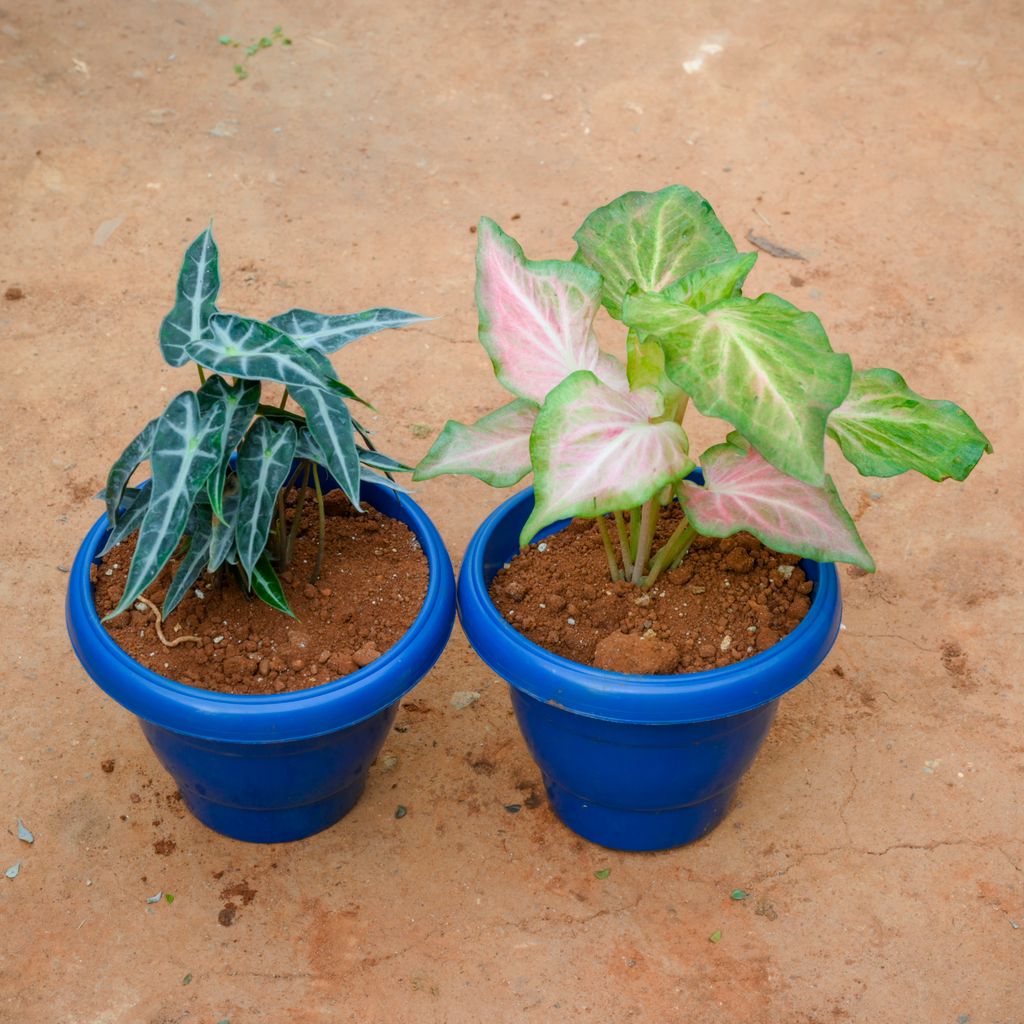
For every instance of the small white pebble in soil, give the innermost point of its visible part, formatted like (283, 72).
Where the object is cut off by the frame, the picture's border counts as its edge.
(217, 639)
(140, 607)
(785, 571)
(726, 643)
(572, 622)
(751, 629)
(200, 594)
(542, 546)
(109, 572)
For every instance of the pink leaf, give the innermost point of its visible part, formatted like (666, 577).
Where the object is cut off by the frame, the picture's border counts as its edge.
(536, 317)
(595, 450)
(495, 449)
(743, 491)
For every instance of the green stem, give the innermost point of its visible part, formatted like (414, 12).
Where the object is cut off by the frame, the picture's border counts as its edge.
(284, 398)
(671, 552)
(624, 545)
(297, 518)
(634, 532)
(648, 524)
(202, 375)
(282, 528)
(613, 563)
(320, 510)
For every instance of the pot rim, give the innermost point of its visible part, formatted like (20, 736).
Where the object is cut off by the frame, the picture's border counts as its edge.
(623, 697)
(279, 717)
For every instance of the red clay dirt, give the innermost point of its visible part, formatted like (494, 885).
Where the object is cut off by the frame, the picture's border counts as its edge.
(879, 833)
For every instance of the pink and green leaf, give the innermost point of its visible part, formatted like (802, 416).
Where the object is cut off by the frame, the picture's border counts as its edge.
(743, 491)
(495, 449)
(651, 238)
(536, 317)
(884, 428)
(712, 283)
(595, 450)
(761, 364)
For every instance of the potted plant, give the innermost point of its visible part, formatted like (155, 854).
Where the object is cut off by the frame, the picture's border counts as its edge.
(638, 755)
(223, 460)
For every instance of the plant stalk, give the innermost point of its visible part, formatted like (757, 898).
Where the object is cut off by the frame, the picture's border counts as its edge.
(648, 524)
(320, 510)
(671, 552)
(613, 562)
(202, 375)
(284, 398)
(297, 518)
(624, 545)
(634, 532)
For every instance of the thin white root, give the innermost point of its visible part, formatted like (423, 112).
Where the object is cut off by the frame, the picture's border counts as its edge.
(159, 628)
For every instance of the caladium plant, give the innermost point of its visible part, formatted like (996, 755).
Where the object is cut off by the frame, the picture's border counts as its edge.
(605, 440)
(221, 456)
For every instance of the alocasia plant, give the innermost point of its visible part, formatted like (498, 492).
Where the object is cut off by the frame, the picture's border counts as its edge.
(605, 440)
(231, 511)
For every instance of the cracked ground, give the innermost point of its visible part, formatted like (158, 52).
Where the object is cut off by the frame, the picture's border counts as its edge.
(879, 836)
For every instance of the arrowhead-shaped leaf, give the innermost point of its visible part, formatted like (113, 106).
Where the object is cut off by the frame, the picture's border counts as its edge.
(222, 534)
(186, 447)
(385, 481)
(762, 364)
(267, 587)
(884, 428)
(252, 349)
(595, 450)
(712, 283)
(495, 449)
(200, 525)
(198, 285)
(651, 238)
(138, 450)
(645, 368)
(241, 400)
(133, 508)
(264, 459)
(536, 317)
(378, 460)
(326, 333)
(330, 424)
(743, 491)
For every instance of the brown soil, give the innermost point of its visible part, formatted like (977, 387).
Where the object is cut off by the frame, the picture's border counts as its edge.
(728, 600)
(372, 585)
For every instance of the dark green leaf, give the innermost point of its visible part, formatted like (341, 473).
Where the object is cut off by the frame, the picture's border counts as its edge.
(200, 529)
(222, 537)
(185, 449)
(264, 459)
(198, 285)
(241, 400)
(378, 460)
(121, 472)
(330, 423)
(267, 587)
(133, 509)
(738, 894)
(326, 332)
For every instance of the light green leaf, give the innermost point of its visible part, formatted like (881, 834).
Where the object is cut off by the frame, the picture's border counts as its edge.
(884, 428)
(254, 350)
(596, 450)
(645, 368)
(761, 364)
(241, 400)
(121, 472)
(267, 587)
(326, 333)
(495, 449)
(198, 285)
(185, 451)
(651, 238)
(222, 537)
(199, 528)
(706, 285)
(133, 508)
(264, 459)
(330, 423)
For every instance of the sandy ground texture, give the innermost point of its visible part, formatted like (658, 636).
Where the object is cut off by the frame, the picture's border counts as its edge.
(880, 833)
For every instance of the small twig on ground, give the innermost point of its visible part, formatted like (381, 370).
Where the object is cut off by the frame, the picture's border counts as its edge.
(159, 628)
(778, 251)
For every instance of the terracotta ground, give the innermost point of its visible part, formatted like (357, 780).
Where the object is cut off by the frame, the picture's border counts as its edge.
(880, 834)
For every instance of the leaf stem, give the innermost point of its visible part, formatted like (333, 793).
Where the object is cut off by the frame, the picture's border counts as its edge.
(202, 375)
(320, 509)
(671, 552)
(284, 398)
(613, 562)
(297, 518)
(624, 545)
(634, 531)
(648, 524)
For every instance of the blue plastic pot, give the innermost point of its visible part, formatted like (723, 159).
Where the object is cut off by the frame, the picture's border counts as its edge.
(282, 767)
(636, 762)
